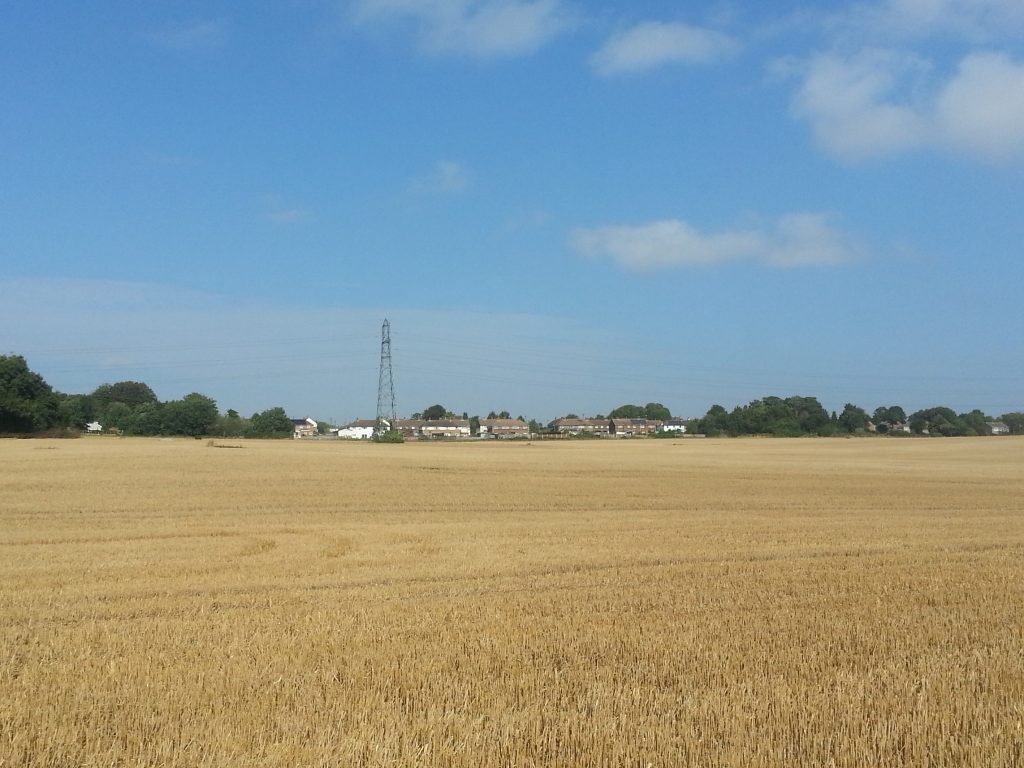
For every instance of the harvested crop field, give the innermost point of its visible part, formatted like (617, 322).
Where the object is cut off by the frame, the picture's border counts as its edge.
(596, 603)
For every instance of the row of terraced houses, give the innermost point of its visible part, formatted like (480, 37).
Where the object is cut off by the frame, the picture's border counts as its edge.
(363, 429)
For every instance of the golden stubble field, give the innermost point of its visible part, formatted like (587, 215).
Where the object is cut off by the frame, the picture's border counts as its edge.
(664, 603)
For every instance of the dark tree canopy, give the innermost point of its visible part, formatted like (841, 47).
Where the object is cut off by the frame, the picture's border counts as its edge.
(131, 393)
(273, 422)
(657, 412)
(27, 403)
(435, 412)
(853, 418)
(628, 412)
(891, 414)
(791, 416)
(937, 420)
(1015, 421)
(193, 415)
(654, 411)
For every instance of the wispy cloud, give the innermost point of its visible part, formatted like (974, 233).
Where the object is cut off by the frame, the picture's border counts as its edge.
(446, 177)
(794, 240)
(190, 36)
(290, 215)
(977, 21)
(479, 28)
(654, 44)
(880, 102)
(311, 359)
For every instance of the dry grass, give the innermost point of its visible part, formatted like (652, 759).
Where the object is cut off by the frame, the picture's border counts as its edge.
(665, 603)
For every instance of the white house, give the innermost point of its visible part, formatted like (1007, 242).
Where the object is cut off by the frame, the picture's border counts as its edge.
(360, 429)
(445, 428)
(93, 428)
(998, 427)
(672, 425)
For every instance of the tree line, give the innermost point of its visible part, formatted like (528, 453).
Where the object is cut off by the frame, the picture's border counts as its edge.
(796, 416)
(28, 404)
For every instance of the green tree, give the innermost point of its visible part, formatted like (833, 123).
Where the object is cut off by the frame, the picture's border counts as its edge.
(657, 412)
(194, 415)
(976, 423)
(131, 393)
(231, 424)
(146, 419)
(535, 427)
(27, 403)
(853, 418)
(273, 422)
(715, 421)
(435, 412)
(474, 425)
(116, 415)
(75, 411)
(628, 412)
(938, 420)
(1015, 421)
(891, 414)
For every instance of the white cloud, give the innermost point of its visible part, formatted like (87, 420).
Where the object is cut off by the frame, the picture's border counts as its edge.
(653, 44)
(878, 103)
(446, 177)
(974, 20)
(981, 110)
(806, 240)
(858, 106)
(191, 36)
(483, 28)
(795, 240)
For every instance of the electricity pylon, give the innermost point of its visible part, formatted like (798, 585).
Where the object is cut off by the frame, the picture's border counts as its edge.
(386, 384)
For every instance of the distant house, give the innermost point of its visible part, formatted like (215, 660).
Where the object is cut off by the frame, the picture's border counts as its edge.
(998, 427)
(672, 425)
(633, 427)
(502, 428)
(441, 428)
(93, 428)
(360, 429)
(410, 427)
(574, 426)
(303, 428)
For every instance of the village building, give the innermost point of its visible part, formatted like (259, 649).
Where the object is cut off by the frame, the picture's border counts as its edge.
(998, 427)
(304, 428)
(410, 428)
(504, 428)
(672, 425)
(360, 429)
(445, 428)
(633, 427)
(575, 426)
(93, 428)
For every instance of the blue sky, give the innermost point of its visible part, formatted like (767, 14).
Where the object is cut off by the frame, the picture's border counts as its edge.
(561, 206)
